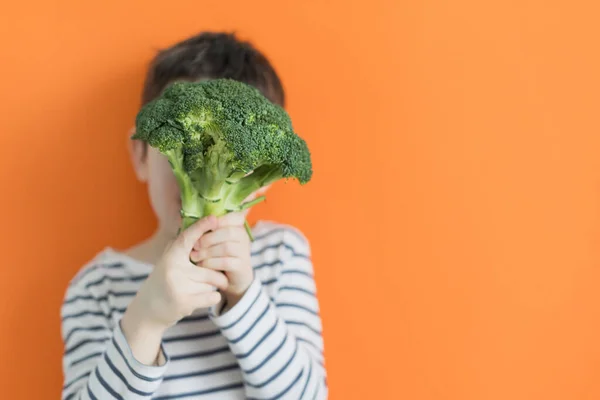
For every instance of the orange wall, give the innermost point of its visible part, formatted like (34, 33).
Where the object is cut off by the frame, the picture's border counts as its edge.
(454, 212)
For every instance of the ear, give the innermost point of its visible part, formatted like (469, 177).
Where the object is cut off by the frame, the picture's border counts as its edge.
(138, 155)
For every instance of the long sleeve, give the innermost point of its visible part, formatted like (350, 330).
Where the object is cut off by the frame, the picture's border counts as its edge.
(97, 360)
(277, 341)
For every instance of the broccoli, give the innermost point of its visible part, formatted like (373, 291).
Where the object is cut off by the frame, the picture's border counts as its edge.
(224, 140)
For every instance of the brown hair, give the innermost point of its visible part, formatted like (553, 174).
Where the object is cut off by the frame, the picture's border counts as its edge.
(212, 55)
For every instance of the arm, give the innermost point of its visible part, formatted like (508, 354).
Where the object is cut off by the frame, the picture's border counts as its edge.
(98, 362)
(125, 362)
(278, 342)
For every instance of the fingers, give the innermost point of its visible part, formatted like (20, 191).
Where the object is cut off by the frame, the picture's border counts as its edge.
(208, 276)
(192, 288)
(232, 219)
(227, 249)
(209, 299)
(190, 236)
(221, 235)
(223, 263)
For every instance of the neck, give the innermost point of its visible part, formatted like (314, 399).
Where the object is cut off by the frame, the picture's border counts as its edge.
(151, 249)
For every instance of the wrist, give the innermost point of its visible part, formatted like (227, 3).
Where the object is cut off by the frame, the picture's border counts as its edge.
(231, 298)
(143, 335)
(137, 325)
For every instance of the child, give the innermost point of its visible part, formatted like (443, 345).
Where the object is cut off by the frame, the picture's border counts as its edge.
(149, 323)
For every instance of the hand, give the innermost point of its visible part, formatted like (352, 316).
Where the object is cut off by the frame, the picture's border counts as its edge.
(173, 290)
(227, 249)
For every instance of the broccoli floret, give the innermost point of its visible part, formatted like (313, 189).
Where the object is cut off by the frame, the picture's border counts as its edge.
(224, 140)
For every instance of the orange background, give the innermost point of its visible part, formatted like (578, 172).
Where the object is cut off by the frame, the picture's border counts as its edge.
(454, 212)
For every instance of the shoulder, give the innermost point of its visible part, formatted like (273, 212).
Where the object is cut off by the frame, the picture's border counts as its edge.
(95, 276)
(283, 237)
(281, 258)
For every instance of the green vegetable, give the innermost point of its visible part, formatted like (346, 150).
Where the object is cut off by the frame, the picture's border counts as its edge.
(224, 141)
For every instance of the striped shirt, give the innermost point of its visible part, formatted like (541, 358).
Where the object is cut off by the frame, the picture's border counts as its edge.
(268, 346)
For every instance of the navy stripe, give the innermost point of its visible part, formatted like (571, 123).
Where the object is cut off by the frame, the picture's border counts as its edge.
(317, 390)
(101, 298)
(302, 340)
(262, 250)
(107, 387)
(287, 389)
(276, 374)
(191, 337)
(250, 371)
(265, 336)
(83, 313)
(95, 313)
(299, 323)
(201, 353)
(123, 379)
(78, 361)
(91, 394)
(298, 306)
(267, 264)
(276, 246)
(136, 278)
(267, 234)
(279, 230)
(270, 281)
(94, 328)
(80, 377)
(201, 392)
(134, 372)
(94, 268)
(297, 289)
(83, 343)
(74, 299)
(276, 262)
(256, 321)
(195, 318)
(244, 314)
(296, 271)
(290, 386)
(69, 397)
(204, 372)
(307, 380)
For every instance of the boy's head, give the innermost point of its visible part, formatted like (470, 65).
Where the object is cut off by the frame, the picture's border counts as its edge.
(212, 55)
(208, 55)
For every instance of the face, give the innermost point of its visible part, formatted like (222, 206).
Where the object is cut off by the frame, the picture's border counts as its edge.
(152, 168)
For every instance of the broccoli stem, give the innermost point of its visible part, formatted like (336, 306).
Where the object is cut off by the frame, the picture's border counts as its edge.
(262, 176)
(190, 210)
(196, 205)
(249, 230)
(251, 203)
(201, 208)
(186, 222)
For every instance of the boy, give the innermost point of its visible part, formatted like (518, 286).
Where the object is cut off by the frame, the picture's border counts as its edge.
(148, 323)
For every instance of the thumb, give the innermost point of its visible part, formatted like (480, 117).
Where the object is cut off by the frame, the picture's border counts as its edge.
(188, 238)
